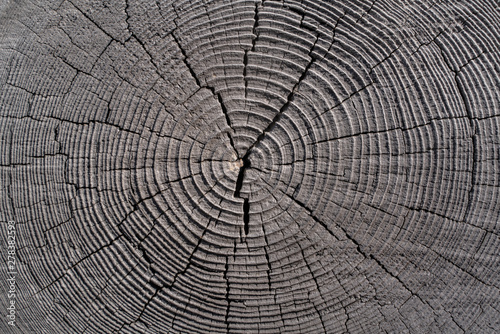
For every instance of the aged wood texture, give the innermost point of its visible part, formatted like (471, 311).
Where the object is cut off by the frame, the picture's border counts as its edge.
(251, 166)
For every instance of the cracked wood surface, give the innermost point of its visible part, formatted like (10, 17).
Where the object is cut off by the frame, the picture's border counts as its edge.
(251, 166)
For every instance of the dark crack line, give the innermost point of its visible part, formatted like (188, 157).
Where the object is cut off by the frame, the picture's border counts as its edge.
(433, 40)
(254, 42)
(128, 16)
(173, 324)
(183, 271)
(138, 245)
(237, 190)
(74, 265)
(399, 128)
(226, 297)
(212, 89)
(62, 58)
(148, 259)
(289, 100)
(277, 117)
(309, 212)
(317, 286)
(470, 116)
(183, 52)
(99, 295)
(241, 176)
(268, 260)
(355, 242)
(95, 23)
(386, 58)
(343, 101)
(367, 12)
(246, 215)
(150, 299)
(112, 39)
(377, 261)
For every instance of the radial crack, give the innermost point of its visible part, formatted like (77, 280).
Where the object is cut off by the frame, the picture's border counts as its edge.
(246, 215)
(190, 258)
(470, 116)
(289, 100)
(356, 243)
(317, 286)
(277, 117)
(267, 259)
(237, 190)
(254, 40)
(226, 297)
(241, 175)
(212, 89)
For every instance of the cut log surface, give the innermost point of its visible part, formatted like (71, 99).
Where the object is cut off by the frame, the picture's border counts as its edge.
(251, 166)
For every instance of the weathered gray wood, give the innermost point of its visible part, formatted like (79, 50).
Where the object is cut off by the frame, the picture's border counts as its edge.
(251, 166)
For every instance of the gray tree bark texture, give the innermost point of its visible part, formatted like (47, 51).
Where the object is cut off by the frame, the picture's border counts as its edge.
(251, 166)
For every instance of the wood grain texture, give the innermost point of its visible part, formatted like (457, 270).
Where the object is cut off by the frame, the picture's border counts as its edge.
(252, 166)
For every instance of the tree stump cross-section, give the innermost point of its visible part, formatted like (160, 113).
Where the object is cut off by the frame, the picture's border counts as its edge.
(250, 166)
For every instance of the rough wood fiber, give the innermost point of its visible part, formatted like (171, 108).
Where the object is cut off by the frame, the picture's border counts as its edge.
(251, 166)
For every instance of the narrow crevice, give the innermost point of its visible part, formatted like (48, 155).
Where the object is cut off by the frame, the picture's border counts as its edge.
(56, 134)
(267, 259)
(212, 89)
(471, 118)
(86, 15)
(237, 194)
(343, 101)
(302, 205)
(226, 116)
(241, 176)
(246, 216)
(190, 258)
(184, 59)
(128, 16)
(173, 324)
(254, 40)
(245, 64)
(150, 299)
(285, 106)
(385, 58)
(367, 12)
(226, 297)
(317, 287)
(358, 247)
(145, 254)
(77, 263)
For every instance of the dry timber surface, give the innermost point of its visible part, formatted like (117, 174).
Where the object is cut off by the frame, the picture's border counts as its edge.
(249, 166)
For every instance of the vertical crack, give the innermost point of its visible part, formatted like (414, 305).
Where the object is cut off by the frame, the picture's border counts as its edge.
(268, 260)
(277, 117)
(246, 215)
(471, 123)
(184, 55)
(241, 176)
(317, 286)
(237, 190)
(226, 296)
(254, 40)
(226, 278)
